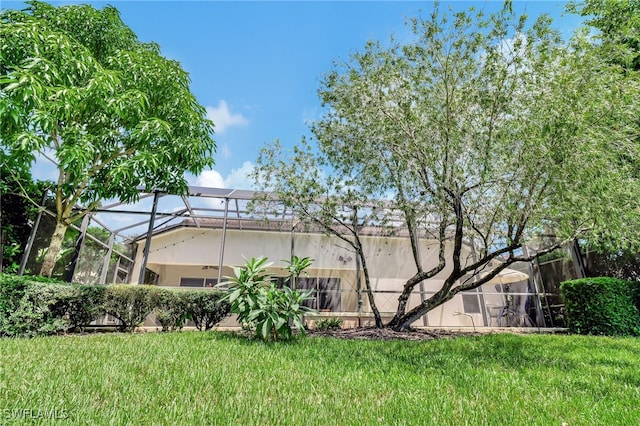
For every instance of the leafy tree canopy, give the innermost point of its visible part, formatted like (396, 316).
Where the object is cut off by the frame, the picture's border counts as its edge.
(480, 131)
(618, 25)
(79, 86)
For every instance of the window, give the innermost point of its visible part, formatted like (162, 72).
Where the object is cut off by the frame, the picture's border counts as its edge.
(471, 303)
(198, 282)
(326, 293)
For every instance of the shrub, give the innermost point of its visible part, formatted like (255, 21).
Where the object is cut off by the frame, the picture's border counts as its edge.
(329, 323)
(130, 304)
(636, 293)
(32, 306)
(205, 308)
(601, 306)
(41, 310)
(12, 288)
(171, 309)
(85, 305)
(261, 306)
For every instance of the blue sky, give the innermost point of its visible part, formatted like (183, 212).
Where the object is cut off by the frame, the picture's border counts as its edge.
(256, 66)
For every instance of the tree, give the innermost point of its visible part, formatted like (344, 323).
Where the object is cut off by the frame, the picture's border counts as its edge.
(300, 188)
(115, 115)
(617, 40)
(483, 131)
(618, 26)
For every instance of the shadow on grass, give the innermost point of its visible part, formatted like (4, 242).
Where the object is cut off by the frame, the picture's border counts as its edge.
(503, 351)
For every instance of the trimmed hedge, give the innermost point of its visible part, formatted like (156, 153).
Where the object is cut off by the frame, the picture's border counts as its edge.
(602, 306)
(205, 307)
(35, 306)
(130, 304)
(171, 310)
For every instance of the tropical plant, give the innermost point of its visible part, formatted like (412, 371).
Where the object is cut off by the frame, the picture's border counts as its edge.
(261, 306)
(296, 266)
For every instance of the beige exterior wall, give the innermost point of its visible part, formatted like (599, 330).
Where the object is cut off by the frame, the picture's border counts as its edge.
(195, 253)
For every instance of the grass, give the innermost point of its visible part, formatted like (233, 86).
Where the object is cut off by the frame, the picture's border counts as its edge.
(218, 378)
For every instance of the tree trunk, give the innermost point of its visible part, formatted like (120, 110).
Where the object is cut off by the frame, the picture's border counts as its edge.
(403, 323)
(371, 296)
(55, 245)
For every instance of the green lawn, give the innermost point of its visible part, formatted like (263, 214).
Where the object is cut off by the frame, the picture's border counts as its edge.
(217, 378)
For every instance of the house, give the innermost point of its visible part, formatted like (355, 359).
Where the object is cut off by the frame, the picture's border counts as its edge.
(196, 240)
(200, 251)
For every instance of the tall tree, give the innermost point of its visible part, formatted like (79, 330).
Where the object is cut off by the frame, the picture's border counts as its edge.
(618, 29)
(615, 29)
(483, 131)
(77, 85)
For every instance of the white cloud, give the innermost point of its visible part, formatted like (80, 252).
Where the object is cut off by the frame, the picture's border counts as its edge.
(239, 178)
(210, 179)
(223, 118)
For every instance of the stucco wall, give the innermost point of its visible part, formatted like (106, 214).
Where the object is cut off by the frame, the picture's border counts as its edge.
(192, 252)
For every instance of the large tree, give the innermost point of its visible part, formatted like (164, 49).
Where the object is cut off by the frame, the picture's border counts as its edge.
(618, 29)
(115, 115)
(484, 131)
(615, 34)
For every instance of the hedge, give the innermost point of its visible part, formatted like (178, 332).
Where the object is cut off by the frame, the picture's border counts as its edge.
(34, 306)
(602, 306)
(130, 304)
(171, 310)
(205, 307)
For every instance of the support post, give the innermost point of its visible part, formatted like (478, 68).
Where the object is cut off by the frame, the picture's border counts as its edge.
(32, 235)
(358, 272)
(78, 248)
(578, 263)
(223, 239)
(538, 288)
(147, 243)
(107, 259)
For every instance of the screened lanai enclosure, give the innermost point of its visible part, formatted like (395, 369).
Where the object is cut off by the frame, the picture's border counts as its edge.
(195, 241)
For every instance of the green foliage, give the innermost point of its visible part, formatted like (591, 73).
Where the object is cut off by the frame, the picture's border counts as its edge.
(624, 265)
(85, 305)
(18, 212)
(263, 307)
(601, 305)
(12, 292)
(618, 25)
(170, 309)
(32, 306)
(205, 308)
(130, 304)
(113, 112)
(297, 266)
(483, 130)
(329, 324)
